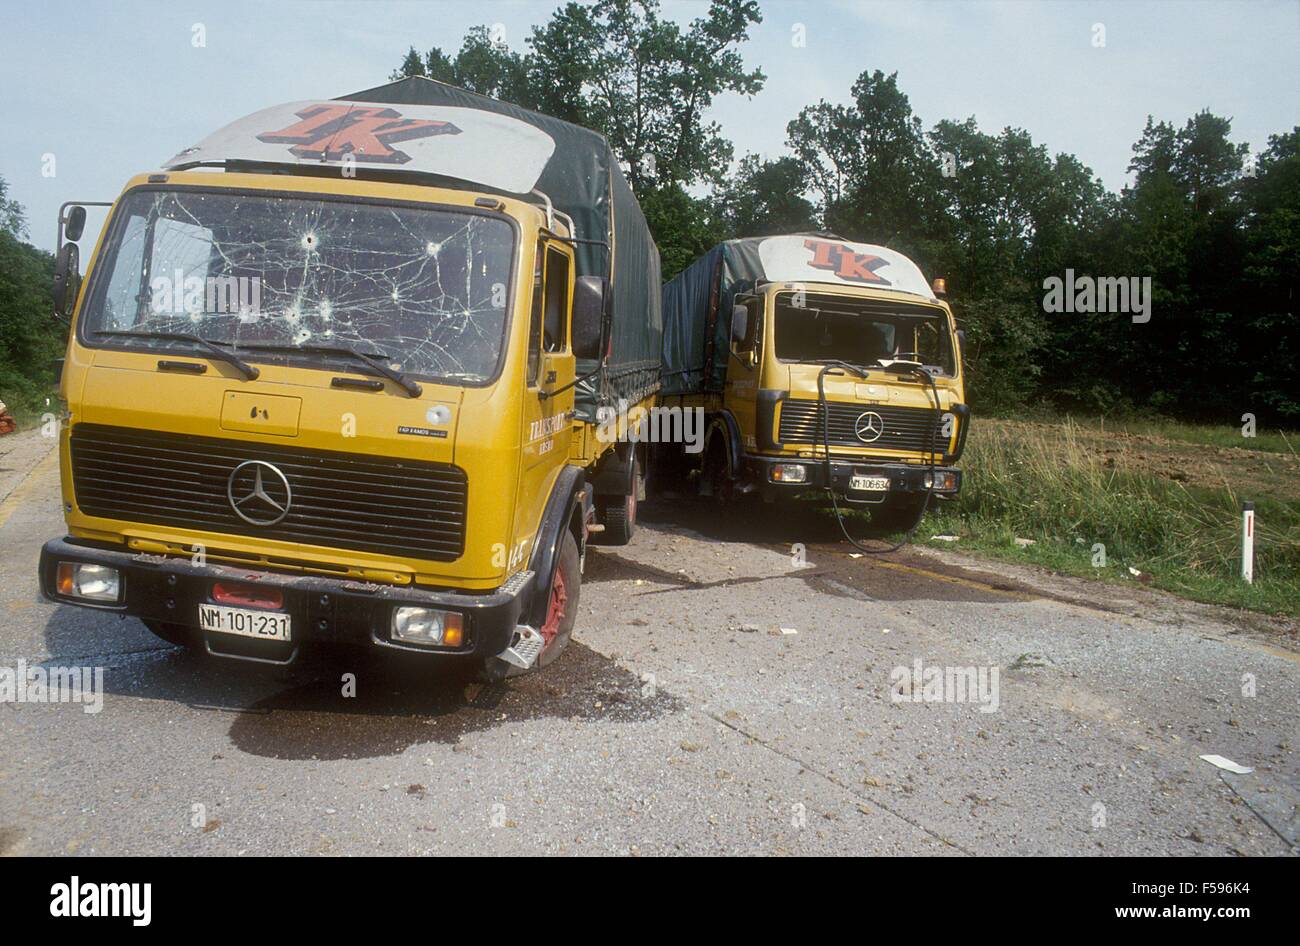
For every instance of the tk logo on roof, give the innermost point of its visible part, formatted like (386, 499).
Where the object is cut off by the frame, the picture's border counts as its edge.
(328, 132)
(845, 263)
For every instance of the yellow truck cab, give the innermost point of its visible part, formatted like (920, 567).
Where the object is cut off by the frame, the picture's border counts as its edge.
(818, 363)
(333, 376)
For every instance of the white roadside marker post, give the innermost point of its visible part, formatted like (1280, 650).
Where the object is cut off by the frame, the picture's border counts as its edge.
(1248, 542)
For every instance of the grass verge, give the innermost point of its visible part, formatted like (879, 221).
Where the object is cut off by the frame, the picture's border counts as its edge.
(1090, 513)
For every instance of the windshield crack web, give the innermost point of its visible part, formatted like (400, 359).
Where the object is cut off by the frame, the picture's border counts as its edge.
(426, 287)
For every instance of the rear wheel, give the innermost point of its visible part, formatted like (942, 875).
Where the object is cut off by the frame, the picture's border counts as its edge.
(561, 615)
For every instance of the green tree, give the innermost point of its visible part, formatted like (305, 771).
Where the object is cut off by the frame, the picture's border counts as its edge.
(1270, 357)
(1180, 225)
(764, 198)
(645, 83)
(683, 226)
(481, 65)
(875, 176)
(1153, 154)
(1206, 163)
(413, 64)
(12, 219)
(1015, 215)
(620, 68)
(30, 340)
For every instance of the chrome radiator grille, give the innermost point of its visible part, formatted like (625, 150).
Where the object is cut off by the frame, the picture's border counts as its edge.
(339, 500)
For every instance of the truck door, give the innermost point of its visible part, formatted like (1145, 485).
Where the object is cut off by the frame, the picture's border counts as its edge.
(743, 370)
(547, 421)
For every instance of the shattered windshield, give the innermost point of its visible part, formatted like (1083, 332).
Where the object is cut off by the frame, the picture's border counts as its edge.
(426, 287)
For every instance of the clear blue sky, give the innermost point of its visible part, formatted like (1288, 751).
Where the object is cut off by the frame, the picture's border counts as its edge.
(111, 90)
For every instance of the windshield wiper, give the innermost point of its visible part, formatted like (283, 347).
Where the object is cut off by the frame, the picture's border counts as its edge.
(370, 358)
(247, 370)
(894, 367)
(859, 370)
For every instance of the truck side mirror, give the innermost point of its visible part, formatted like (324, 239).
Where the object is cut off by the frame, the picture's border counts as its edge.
(589, 294)
(66, 280)
(739, 324)
(76, 224)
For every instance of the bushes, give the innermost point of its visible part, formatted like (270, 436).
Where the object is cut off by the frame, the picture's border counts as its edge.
(30, 338)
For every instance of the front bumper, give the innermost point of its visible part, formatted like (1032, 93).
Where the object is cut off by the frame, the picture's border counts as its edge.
(321, 609)
(903, 477)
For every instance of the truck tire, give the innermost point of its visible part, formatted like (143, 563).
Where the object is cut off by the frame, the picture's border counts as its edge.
(562, 608)
(899, 513)
(618, 513)
(561, 614)
(716, 479)
(177, 634)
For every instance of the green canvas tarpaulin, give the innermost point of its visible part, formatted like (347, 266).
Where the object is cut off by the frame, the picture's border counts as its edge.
(583, 180)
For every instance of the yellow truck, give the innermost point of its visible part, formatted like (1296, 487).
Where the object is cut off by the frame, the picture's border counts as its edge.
(333, 376)
(818, 363)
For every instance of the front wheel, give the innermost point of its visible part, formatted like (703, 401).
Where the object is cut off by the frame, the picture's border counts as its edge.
(561, 615)
(716, 481)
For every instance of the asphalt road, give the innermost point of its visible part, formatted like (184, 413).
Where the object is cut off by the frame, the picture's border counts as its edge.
(683, 718)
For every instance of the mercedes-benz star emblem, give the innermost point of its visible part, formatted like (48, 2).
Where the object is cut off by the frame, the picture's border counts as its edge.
(259, 493)
(869, 426)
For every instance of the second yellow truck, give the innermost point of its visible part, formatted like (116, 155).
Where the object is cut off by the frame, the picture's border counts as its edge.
(818, 364)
